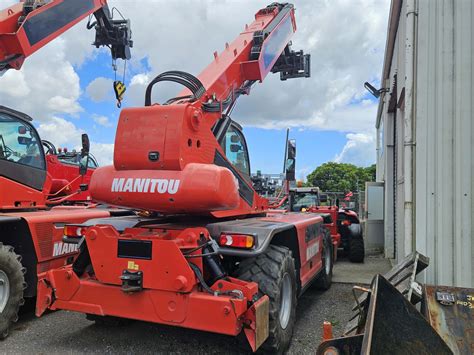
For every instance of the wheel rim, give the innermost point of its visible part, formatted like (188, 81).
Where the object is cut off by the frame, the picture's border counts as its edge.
(327, 256)
(4, 290)
(286, 300)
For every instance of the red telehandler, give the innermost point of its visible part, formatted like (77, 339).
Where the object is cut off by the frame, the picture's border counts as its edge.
(343, 224)
(33, 178)
(212, 257)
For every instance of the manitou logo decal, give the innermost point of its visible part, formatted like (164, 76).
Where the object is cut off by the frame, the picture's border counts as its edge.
(62, 248)
(160, 186)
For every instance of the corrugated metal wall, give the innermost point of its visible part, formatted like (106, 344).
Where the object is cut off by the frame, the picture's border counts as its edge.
(444, 131)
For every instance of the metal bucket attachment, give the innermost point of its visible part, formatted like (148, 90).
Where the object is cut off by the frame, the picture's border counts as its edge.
(393, 326)
(402, 276)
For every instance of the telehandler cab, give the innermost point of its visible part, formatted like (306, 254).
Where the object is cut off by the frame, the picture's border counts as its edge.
(31, 229)
(210, 256)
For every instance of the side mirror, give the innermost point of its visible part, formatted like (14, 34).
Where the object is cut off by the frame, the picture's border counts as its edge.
(290, 166)
(85, 145)
(83, 165)
(84, 162)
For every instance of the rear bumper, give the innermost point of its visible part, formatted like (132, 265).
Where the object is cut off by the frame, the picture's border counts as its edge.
(197, 310)
(62, 289)
(155, 274)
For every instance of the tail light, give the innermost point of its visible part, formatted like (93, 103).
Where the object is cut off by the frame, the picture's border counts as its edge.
(245, 241)
(346, 222)
(74, 231)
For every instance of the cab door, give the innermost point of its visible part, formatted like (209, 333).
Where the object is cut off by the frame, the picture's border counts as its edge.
(21, 153)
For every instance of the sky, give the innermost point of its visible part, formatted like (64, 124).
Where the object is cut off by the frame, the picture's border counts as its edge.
(67, 85)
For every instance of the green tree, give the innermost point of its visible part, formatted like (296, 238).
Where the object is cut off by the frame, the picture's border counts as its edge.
(341, 177)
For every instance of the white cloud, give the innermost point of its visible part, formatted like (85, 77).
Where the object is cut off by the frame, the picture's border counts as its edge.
(135, 94)
(103, 152)
(359, 150)
(100, 89)
(63, 133)
(345, 38)
(14, 85)
(102, 120)
(47, 85)
(60, 132)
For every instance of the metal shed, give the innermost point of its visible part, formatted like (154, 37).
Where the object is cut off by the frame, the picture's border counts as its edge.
(425, 149)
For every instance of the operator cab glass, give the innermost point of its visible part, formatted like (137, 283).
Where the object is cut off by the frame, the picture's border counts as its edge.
(305, 200)
(75, 158)
(235, 149)
(19, 143)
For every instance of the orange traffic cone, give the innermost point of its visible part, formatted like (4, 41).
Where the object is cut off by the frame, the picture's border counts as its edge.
(327, 331)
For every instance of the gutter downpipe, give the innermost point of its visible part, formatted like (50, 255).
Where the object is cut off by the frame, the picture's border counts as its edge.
(411, 18)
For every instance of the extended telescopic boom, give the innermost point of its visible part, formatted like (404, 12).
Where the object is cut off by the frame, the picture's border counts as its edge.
(31, 24)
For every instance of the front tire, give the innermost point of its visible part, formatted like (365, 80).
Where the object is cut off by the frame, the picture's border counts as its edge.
(12, 284)
(274, 272)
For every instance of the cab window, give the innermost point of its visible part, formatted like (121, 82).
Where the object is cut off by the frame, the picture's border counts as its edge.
(19, 143)
(75, 158)
(235, 150)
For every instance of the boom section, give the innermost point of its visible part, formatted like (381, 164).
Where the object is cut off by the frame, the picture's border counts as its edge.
(252, 54)
(28, 26)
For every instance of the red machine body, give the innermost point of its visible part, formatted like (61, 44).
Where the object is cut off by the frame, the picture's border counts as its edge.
(185, 162)
(182, 133)
(63, 168)
(31, 230)
(343, 224)
(33, 179)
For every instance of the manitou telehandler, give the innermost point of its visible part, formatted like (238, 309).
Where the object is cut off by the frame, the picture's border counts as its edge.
(211, 257)
(343, 224)
(33, 179)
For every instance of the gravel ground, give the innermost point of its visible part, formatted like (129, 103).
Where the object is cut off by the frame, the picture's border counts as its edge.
(68, 332)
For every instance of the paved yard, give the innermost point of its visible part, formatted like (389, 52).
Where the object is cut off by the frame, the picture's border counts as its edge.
(67, 332)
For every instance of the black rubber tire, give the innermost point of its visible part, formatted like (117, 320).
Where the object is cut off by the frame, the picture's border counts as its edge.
(356, 244)
(324, 280)
(268, 270)
(108, 321)
(10, 264)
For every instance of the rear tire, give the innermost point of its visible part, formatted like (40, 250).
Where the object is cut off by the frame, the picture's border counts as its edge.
(12, 284)
(356, 244)
(274, 272)
(324, 279)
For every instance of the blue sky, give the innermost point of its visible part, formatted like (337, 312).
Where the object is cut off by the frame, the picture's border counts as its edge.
(67, 86)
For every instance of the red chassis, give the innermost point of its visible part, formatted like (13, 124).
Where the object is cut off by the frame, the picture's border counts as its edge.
(170, 292)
